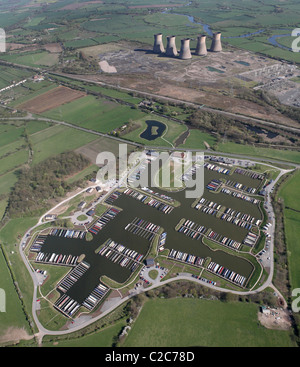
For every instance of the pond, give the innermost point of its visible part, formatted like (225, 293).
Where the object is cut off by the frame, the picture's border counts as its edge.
(154, 130)
(258, 130)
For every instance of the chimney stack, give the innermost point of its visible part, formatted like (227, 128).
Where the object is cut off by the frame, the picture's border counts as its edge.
(216, 45)
(171, 47)
(201, 49)
(158, 46)
(185, 52)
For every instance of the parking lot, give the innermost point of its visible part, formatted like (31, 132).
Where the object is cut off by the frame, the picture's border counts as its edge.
(264, 255)
(144, 274)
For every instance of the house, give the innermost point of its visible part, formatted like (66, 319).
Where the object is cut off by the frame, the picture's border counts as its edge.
(50, 217)
(265, 310)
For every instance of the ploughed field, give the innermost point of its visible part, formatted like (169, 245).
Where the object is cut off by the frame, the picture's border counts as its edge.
(49, 100)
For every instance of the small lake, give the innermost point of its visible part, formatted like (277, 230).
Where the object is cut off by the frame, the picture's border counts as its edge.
(258, 130)
(154, 130)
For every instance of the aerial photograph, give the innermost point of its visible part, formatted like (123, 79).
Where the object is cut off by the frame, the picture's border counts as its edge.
(149, 176)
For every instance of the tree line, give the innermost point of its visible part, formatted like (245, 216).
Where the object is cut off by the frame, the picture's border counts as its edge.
(44, 181)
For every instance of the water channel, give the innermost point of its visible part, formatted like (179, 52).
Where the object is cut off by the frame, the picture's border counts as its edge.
(206, 28)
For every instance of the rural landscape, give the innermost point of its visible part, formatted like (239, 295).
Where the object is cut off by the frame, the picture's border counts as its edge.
(206, 91)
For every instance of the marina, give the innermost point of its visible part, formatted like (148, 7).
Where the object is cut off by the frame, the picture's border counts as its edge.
(128, 227)
(56, 259)
(103, 220)
(186, 258)
(143, 228)
(227, 274)
(95, 297)
(73, 276)
(121, 255)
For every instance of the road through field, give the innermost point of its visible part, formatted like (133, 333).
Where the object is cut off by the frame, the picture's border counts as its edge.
(242, 118)
(124, 141)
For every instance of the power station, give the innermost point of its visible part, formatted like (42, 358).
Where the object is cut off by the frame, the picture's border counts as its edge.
(171, 47)
(201, 49)
(158, 46)
(185, 51)
(216, 45)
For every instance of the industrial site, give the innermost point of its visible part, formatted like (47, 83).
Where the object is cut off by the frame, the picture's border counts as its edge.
(196, 70)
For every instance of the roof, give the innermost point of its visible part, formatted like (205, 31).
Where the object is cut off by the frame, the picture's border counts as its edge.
(149, 261)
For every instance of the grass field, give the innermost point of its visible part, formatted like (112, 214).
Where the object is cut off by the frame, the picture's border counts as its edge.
(93, 113)
(197, 139)
(8, 75)
(193, 322)
(103, 338)
(61, 137)
(14, 316)
(283, 155)
(292, 233)
(290, 192)
(14, 153)
(34, 59)
(46, 141)
(291, 196)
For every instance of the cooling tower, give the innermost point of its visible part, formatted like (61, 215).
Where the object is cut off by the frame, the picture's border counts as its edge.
(201, 49)
(216, 45)
(185, 52)
(171, 47)
(158, 46)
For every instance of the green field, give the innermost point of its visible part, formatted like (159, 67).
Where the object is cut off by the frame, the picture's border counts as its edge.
(291, 196)
(93, 113)
(8, 75)
(194, 322)
(61, 137)
(197, 140)
(249, 150)
(103, 338)
(292, 233)
(14, 316)
(290, 192)
(34, 59)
